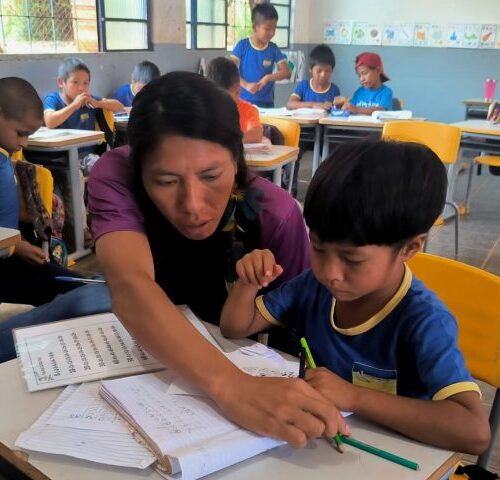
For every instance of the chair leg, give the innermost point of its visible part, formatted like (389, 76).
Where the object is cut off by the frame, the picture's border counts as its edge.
(484, 459)
(469, 183)
(454, 206)
(426, 243)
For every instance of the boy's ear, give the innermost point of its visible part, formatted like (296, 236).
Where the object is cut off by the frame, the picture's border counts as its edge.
(60, 82)
(413, 246)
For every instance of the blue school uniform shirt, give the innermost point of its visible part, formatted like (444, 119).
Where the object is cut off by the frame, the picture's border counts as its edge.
(254, 64)
(125, 95)
(367, 98)
(305, 92)
(81, 119)
(409, 348)
(9, 199)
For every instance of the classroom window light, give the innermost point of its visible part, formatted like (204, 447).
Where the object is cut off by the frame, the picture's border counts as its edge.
(73, 26)
(219, 24)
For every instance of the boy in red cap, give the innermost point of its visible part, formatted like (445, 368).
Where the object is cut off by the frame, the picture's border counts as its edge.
(373, 94)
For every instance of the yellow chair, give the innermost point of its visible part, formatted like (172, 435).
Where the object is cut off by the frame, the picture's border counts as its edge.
(442, 139)
(473, 296)
(108, 128)
(291, 135)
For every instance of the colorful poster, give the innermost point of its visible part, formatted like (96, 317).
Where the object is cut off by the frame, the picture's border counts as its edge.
(471, 37)
(421, 35)
(454, 36)
(359, 33)
(437, 35)
(488, 36)
(338, 32)
(374, 34)
(330, 33)
(390, 34)
(405, 34)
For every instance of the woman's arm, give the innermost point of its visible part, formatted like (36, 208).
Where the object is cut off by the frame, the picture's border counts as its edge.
(288, 409)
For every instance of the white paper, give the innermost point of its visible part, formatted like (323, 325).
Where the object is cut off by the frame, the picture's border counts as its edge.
(43, 133)
(309, 111)
(110, 448)
(488, 36)
(257, 148)
(281, 112)
(392, 114)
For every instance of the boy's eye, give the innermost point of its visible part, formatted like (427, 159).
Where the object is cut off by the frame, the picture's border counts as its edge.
(317, 249)
(352, 261)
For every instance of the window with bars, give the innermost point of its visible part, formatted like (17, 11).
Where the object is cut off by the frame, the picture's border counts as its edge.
(72, 26)
(219, 24)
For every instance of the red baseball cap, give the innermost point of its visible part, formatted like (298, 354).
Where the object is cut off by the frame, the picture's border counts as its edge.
(372, 60)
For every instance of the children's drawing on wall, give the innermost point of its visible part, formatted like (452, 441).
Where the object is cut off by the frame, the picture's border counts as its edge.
(359, 33)
(488, 36)
(437, 35)
(455, 35)
(421, 35)
(390, 35)
(405, 34)
(471, 37)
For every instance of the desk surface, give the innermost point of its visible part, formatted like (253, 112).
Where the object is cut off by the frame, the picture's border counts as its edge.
(45, 137)
(312, 119)
(9, 237)
(483, 127)
(352, 122)
(278, 155)
(318, 460)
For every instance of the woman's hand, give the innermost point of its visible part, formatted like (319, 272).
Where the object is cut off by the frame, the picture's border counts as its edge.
(258, 268)
(30, 253)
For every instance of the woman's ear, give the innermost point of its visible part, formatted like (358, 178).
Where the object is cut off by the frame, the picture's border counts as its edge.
(413, 246)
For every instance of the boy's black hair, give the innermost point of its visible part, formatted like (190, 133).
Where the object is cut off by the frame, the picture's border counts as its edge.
(223, 72)
(263, 12)
(321, 55)
(70, 65)
(19, 98)
(375, 192)
(144, 72)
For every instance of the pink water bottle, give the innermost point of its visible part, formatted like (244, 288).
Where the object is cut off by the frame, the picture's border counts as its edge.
(489, 89)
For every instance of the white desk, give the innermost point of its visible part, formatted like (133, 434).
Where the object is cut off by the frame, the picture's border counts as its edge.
(279, 156)
(8, 238)
(317, 461)
(60, 140)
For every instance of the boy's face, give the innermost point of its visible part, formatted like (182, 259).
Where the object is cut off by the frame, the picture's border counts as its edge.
(264, 31)
(137, 87)
(78, 82)
(321, 73)
(234, 91)
(369, 77)
(14, 133)
(352, 273)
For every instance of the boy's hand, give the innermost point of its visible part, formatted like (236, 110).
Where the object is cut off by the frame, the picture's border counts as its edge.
(262, 82)
(30, 253)
(258, 268)
(351, 108)
(339, 101)
(252, 87)
(341, 393)
(324, 105)
(95, 103)
(81, 99)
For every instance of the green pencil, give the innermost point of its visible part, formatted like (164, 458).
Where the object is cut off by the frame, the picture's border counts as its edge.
(312, 364)
(380, 453)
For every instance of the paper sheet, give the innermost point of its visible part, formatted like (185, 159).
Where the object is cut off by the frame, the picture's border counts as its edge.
(111, 448)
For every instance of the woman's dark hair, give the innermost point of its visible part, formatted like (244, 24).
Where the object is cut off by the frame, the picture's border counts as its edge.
(321, 55)
(223, 72)
(374, 192)
(186, 104)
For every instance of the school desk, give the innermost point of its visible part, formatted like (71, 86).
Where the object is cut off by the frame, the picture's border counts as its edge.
(69, 141)
(308, 124)
(476, 109)
(318, 460)
(279, 156)
(8, 238)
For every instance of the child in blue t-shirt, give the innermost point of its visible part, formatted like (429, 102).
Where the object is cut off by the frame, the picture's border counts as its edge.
(387, 344)
(373, 94)
(318, 91)
(256, 56)
(142, 74)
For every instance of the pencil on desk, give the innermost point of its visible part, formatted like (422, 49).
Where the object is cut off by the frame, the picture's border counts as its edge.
(312, 364)
(79, 280)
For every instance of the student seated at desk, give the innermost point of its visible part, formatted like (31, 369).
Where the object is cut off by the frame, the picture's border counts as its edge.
(26, 276)
(388, 345)
(225, 73)
(142, 74)
(373, 94)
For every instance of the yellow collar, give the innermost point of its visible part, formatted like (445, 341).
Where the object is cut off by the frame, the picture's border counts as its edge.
(380, 315)
(255, 46)
(317, 91)
(4, 152)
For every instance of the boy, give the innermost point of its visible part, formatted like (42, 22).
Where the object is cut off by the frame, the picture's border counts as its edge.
(225, 73)
(256, 56)
(26, 276)
(373, 94)
(387, 342)
(142, 74)
(319, 91)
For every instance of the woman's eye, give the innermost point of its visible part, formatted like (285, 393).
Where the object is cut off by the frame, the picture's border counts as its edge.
(210, 178)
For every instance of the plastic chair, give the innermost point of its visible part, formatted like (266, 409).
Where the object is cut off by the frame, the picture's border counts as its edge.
(291, 134)
(442, 139)
(473, 296)
(487, 160)
(105, 121)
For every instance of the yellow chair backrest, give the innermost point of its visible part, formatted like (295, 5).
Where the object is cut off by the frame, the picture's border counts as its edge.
(442, 139)
(109, 117)
(473, 296)
(290, 130)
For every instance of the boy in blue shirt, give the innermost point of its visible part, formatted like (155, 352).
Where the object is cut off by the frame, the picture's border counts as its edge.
(373, 94)
(388, 345)
(318, 91)
(26, 276)
(256, 56)
(142, 74)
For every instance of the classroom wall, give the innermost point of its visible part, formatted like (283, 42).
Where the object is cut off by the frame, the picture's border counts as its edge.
(433, 82)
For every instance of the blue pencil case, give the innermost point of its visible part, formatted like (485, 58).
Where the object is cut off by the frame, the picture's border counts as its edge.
(337, 112)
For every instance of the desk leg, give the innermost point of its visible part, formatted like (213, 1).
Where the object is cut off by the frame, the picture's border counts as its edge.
(277, 176)
(76, 200)
(316, 150)
(326, 144)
